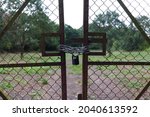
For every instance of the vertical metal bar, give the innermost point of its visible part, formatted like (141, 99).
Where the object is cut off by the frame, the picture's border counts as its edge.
(85, 56)
(136, 23)
(4, 97)
(42, 44)
(63, 56)
(143, 91)
(6, 28)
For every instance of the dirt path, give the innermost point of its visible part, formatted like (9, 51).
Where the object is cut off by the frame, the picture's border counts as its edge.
(74, 83)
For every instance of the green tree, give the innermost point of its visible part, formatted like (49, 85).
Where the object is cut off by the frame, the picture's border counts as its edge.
(71, 33)
(133, 39)
(26, 31)
(108, 22)
(145, 23)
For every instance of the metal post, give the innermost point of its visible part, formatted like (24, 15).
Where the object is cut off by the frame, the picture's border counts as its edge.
(85, 56)
(63, 56)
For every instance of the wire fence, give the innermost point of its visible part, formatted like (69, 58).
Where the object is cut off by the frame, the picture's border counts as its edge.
(117, 81)
(118, 75)
(24, 72)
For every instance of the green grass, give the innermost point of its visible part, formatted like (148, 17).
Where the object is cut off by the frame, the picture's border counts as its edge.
(123, 56)
(73, 69)
(6, 70)
(20, 80)
(28, 70)
(136, 85)
(42, 81)
(6, 85)
(36, 94)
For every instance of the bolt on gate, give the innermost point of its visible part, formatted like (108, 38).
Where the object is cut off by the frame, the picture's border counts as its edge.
(31, 67)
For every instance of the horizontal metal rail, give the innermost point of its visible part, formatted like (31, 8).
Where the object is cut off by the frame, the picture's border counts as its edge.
(31, 64)
(118, 63)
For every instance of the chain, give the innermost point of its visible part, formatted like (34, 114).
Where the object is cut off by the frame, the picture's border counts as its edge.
(73, 50)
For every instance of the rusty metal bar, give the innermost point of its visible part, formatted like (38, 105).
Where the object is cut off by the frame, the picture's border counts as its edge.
(31, 64)
(43, 45)
(51, 34)
(85, 56)
(118, 63)
(91, 40)
(47, 54)
(143, 91)
(136, 23)
(4, 97)
(6, 28)
(97, 40)
(97, 34)
(63, 56)
(96, 53)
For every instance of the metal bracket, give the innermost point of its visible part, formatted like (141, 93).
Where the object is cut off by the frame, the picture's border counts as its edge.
(94, 37)
(43, 44)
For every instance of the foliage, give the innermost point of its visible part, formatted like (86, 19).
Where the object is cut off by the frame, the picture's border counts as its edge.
(25, 34)
(71, 33)
(120, 35)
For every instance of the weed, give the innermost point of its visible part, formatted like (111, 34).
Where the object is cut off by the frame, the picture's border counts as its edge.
(43, 81)
(35, 94)
(6, 85)
(75, 69)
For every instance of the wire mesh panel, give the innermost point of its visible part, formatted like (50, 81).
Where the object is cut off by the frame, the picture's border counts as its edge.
(31, 82)
(24, 72)
(117, 81)
(125, 69)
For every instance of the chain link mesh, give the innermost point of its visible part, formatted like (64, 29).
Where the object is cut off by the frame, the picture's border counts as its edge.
(119, 81)
(44, 82)
(17, 47)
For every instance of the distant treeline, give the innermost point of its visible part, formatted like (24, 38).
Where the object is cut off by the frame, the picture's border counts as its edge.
(25, 36)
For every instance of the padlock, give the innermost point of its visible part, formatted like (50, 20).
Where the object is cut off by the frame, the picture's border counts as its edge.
(75, 59)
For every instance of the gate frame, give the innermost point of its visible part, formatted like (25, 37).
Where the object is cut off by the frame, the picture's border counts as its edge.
(85, 61)
(62, 64)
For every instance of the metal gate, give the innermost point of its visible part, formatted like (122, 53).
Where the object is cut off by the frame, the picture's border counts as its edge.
(112, 73)
(37, 72)
(28, 72)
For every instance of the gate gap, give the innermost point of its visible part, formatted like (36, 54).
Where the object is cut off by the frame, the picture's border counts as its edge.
(73, 13)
